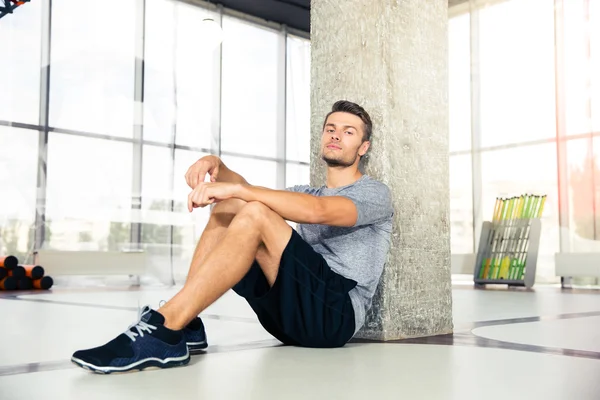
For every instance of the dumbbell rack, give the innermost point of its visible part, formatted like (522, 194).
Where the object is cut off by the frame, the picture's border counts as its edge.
(508, 252)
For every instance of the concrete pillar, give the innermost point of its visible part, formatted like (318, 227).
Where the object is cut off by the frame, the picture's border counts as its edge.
(390, 56)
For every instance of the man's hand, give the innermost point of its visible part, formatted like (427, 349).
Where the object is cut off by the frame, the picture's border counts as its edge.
(197, 172)
(207, 193)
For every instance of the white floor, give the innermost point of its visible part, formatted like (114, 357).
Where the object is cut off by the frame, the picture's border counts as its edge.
(558, 356)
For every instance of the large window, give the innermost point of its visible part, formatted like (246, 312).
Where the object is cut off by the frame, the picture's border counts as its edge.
(248, 101)
(113, 161)
(20, 64)
(522, 99)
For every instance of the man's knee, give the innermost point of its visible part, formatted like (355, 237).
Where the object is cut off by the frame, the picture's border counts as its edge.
(254, 215)
(255, 210)
(231, 206)
(223, 213)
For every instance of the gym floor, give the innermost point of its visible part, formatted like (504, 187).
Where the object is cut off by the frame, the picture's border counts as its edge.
(517, 344)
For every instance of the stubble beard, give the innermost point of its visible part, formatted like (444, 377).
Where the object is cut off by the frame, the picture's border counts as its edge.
(333, 162)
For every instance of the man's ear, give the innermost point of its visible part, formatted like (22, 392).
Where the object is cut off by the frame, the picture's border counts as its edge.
(363, 148)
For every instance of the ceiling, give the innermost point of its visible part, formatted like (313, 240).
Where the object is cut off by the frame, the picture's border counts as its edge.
(293, 13)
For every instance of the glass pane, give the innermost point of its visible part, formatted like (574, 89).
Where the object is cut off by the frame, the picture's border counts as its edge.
(525, 170)
(594, 27)
(249, 98)
(577, 64)
(156, 218)
(157, 165)
(89, 193)
(584, 190)
(582, 171)
(18, 180)
(517, 72)
(298, 100)
(256, 172)
(197, 83)
(595, 165)
(459, 79)
(181, 75)
(461, 204)
(159, 91)
(296, 174)
(20, 64)
(92, 80)
(581, 195)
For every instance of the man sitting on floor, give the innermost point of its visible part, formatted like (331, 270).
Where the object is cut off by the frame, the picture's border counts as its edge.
(311, 287)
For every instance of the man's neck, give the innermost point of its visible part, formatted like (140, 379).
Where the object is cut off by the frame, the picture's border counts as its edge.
(337, 177)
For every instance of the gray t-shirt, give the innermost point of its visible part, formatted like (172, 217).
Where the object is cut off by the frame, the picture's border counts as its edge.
(357, 252)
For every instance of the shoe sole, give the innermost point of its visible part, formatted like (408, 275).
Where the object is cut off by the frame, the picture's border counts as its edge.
(197, 345)
(137, 366)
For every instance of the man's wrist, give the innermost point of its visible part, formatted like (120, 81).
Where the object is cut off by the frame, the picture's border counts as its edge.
(243, 191)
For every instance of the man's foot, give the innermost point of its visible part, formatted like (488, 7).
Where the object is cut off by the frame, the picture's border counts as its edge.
(195, 336)
(147, 343)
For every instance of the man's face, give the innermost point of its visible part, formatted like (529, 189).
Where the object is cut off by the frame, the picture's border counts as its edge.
(342, 140)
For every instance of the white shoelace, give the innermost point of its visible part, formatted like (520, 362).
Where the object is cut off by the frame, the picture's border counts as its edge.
(140, 326)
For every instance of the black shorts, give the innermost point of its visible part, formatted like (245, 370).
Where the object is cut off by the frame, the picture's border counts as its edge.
(308, 304)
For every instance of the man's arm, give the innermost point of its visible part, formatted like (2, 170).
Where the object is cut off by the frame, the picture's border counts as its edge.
(213, 166)
(227, 175)
(303, 208)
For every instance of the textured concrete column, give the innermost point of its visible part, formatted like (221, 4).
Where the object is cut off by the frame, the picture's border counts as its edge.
(390, 56)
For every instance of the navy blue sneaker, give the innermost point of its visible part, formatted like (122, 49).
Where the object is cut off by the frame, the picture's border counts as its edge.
(195, 336)
(147, 343)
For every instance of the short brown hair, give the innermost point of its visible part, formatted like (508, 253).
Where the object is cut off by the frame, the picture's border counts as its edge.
(355, 109)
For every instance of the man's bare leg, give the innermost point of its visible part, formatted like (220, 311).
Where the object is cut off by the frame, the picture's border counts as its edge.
(256, 232)
(220, 217)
